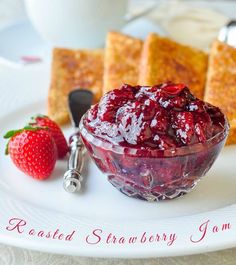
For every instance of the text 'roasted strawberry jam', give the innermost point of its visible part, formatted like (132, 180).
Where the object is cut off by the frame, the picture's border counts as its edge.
(162, 117)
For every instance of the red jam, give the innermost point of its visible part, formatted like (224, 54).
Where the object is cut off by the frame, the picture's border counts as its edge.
(160, 117)
(154, 143)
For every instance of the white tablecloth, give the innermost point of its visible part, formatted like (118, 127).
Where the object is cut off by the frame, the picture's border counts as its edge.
(11, 10)
(17, 256)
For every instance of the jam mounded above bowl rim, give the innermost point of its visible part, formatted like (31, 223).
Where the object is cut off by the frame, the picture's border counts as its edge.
(149, 151)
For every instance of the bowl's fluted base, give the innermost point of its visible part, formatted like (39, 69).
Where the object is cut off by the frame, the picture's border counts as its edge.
(168, 191)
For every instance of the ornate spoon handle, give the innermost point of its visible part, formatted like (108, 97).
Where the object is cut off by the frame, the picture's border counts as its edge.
(72, 177)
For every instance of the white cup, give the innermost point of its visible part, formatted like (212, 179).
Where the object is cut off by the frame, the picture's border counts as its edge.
(76, 23)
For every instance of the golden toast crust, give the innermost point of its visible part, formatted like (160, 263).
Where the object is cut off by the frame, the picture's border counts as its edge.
(122, 58)
(232, 134)
(73, 69)
(165, 60)
(221, 83)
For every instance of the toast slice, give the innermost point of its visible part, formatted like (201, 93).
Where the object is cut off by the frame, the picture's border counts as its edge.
(221, 83)
(73, 69)
(122, 58)
(165, 60)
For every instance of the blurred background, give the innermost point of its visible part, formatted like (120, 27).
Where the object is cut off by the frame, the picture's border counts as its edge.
(194, 22)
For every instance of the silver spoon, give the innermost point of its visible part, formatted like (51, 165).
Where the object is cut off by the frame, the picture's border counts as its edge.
(79, 102)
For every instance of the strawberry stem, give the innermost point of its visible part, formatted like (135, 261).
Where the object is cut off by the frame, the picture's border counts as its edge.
(6, 149)
(11, 133)
(33, 118)
(32, 128)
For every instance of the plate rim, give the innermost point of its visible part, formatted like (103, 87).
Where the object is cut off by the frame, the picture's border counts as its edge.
(9, 207)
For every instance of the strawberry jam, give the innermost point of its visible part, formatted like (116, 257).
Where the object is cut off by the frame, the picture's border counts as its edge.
(154, 142)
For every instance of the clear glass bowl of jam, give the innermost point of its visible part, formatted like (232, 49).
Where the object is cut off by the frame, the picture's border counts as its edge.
(154, 143)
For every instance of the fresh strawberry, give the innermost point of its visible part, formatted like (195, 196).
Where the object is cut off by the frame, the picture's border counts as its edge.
(55, 130)
(32, 150)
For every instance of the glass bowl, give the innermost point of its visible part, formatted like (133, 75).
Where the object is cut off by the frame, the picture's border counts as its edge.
(152, 174)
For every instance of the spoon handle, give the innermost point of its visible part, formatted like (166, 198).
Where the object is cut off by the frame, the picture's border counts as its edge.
(72, 177)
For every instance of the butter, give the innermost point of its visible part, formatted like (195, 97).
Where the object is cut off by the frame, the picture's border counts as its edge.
(189, 25)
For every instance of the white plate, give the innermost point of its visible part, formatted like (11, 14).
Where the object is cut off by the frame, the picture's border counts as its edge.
(45, 206)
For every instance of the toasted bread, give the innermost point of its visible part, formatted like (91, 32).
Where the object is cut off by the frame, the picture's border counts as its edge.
(232, 133)
(73, 69)
(121, 63)
(221, 83)
(165, 60)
